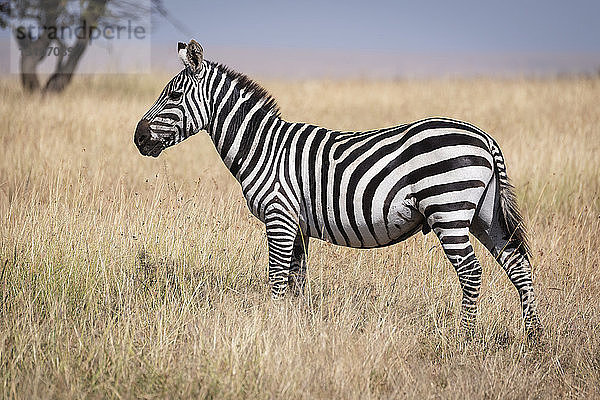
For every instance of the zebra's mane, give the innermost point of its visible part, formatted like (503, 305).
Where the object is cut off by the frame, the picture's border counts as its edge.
(248, 84)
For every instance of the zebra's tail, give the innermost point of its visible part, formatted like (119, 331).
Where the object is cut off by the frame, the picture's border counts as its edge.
(508, 203)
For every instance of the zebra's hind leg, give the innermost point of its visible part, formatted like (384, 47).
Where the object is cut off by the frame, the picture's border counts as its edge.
(281, 233)
(454, 237)
(515, 261)
(516, 264)
(297, 277)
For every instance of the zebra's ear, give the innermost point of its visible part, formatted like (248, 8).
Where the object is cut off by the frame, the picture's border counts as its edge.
(182, 52)
(194, 54)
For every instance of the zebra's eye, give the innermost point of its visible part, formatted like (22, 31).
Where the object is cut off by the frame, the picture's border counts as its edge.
(175, 95)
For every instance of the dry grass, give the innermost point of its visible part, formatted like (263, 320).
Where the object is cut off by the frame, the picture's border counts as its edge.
(123, 276)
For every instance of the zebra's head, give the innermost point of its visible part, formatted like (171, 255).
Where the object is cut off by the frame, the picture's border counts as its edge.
(181, 110)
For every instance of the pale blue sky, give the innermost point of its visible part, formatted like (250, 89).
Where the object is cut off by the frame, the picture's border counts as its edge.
(395, 26)
(377, 38)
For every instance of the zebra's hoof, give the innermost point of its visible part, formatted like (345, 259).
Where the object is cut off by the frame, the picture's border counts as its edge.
(296, 290)
(467, 330)
(278, 294)
(534, 332)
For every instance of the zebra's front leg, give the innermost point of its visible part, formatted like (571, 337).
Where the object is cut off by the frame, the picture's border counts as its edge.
(297, 277)
(281, 233)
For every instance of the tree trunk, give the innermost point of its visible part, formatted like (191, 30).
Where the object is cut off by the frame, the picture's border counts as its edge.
(64, 70)
(29, 78)
(32, 53)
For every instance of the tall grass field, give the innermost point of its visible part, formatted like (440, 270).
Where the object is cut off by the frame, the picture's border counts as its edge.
(123, 276)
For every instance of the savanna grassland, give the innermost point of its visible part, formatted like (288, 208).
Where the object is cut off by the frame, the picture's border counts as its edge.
(129, 277)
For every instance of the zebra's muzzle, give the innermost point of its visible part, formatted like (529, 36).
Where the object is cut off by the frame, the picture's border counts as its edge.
(146, 144)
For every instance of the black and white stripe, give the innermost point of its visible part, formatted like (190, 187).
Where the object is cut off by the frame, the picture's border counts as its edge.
(358, 189)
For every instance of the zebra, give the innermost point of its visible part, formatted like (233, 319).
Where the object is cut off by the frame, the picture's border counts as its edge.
(358, 189)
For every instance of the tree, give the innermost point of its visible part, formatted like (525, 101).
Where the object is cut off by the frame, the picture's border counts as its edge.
(39, 25)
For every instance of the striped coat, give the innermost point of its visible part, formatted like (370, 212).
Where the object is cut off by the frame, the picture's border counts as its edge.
(358, 189)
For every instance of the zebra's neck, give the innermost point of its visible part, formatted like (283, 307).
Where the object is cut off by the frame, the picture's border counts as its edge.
(242, 115)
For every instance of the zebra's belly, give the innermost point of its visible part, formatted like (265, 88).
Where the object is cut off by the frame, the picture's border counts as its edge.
(401, 221)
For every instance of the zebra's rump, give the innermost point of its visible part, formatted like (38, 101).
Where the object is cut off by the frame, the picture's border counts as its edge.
(375, 188)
